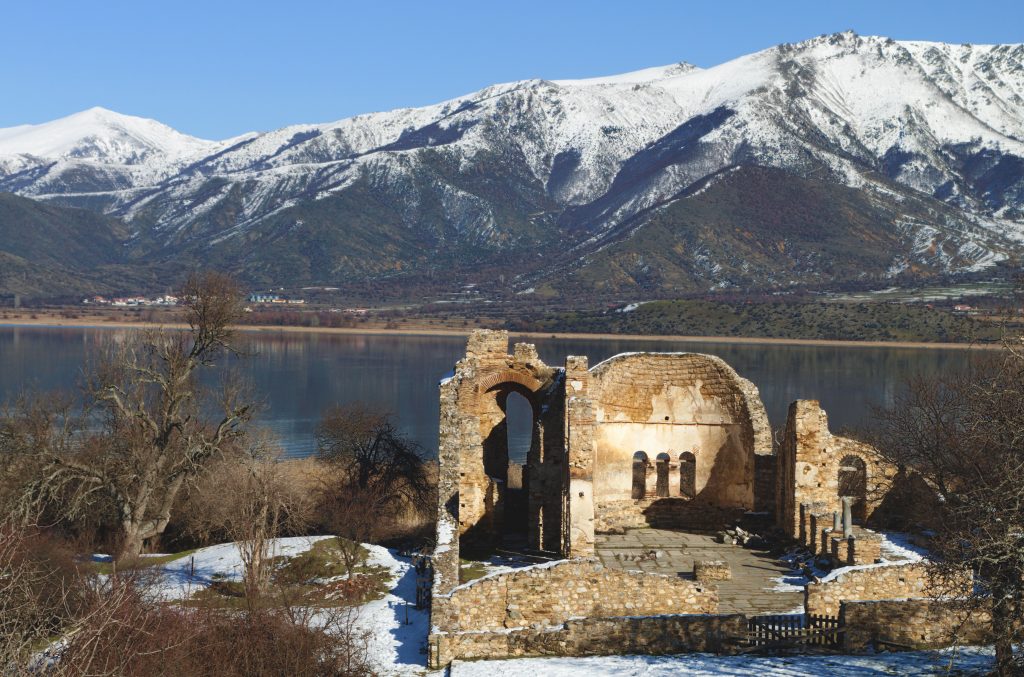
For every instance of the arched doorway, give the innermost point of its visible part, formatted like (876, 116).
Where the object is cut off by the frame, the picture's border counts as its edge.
(853, 483)
(661, 488)
(509, 428)
(640, 463)
(518, 427)
(688, 474)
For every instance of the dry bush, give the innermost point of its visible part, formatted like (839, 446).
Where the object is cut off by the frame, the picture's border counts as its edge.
(127, 634)
(250, 499)
(41, 591)
(379, 485)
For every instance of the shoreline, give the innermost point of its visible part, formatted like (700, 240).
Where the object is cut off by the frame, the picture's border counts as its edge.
(58, 323)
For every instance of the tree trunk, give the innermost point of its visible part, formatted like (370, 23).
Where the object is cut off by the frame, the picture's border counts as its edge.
(1002, 629)
(131, 542)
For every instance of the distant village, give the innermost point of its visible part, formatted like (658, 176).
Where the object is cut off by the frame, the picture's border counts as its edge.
(165, 300)
(168, 300)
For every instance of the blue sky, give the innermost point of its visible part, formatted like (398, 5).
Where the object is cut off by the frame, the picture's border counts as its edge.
(219, 68)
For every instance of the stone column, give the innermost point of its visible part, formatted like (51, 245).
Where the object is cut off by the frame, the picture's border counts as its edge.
(847, 517)
(836, 524)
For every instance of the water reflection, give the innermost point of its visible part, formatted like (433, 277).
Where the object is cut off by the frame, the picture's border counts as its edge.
(299, 375)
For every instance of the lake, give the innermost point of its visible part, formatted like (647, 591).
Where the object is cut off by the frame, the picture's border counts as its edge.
(298, 375)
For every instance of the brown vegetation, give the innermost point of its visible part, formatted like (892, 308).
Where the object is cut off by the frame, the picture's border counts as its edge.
(378, 479)
(964, 434)
(153, 436)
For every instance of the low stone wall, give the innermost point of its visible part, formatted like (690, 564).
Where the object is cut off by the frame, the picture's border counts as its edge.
(617, 516)
(911, 624)
(551, 594)
(873, 583)
(596, 637)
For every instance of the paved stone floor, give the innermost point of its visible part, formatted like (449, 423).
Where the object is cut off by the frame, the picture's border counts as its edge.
(754, 572)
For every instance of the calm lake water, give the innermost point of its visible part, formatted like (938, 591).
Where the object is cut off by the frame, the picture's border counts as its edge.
(299, 375)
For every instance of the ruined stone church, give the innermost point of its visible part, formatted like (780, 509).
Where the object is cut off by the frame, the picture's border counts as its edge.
(664, 440)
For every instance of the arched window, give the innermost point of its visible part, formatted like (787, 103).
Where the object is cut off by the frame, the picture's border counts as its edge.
(853, 482)
(639, 475)
(687, 475)
(661, 488)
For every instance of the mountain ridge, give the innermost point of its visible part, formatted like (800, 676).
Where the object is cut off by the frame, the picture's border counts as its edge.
(538, 177)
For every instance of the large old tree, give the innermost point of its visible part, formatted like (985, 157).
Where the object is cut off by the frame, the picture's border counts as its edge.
(146, 429)
(964, 434)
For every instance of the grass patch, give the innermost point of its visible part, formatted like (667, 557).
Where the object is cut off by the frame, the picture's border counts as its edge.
(317, 577)
(470, 570)
(108, 568)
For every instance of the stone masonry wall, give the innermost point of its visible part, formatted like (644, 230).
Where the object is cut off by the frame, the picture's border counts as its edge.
(596, 637)
(808, 470)
(872, 583)
(676, 403)
(911, 624)
(551, 594)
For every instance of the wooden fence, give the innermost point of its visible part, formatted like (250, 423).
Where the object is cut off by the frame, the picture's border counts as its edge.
(782, 632)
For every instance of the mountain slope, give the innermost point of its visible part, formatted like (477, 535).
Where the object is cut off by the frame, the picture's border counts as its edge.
(48, 250)
(770, 170)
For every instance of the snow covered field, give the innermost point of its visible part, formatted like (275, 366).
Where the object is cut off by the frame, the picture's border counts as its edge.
(397, 630)
(970, 661)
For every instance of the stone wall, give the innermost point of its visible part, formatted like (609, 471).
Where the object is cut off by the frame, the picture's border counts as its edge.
(676, 404)
(895, 581)
(615, 517)
(808, 469)
(473, 453)
(551, 594)
(670, 634)
(911, 624)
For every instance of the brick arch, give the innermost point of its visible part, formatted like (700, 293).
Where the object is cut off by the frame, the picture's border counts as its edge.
(508, 376)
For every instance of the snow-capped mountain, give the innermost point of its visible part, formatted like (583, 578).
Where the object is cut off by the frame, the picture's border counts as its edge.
(836, 159)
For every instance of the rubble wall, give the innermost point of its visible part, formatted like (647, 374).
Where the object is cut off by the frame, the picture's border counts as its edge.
(912, 624)
(897, 581)
(596, 637)
(549, 595)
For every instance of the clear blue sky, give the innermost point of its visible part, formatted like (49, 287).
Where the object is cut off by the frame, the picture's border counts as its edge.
(217, 68)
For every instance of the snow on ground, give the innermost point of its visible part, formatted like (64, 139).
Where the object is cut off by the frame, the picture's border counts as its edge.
(178, 579)
(968, 661)
(398, 630)
(897, 548)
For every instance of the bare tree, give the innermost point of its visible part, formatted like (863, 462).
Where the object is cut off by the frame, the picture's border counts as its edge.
(376, 474)
(249, 499)
(964, 434)
(153, 437)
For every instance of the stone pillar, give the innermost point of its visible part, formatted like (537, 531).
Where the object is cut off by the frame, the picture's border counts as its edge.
(805, 515)
(580, 422)
(847, 517)
(452, 430)
(805, 439)
(836, 524)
